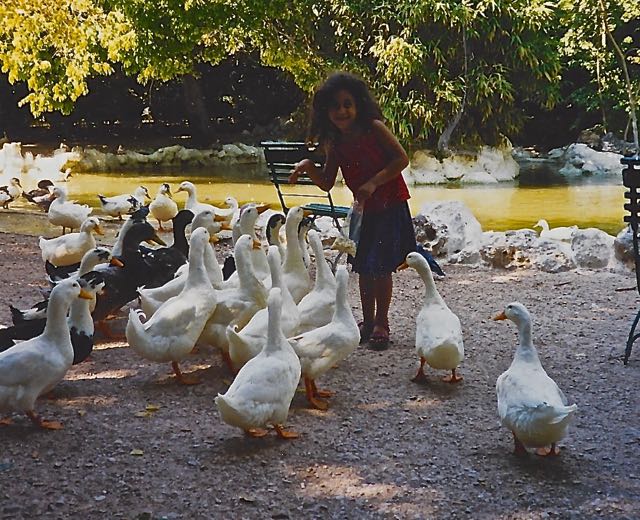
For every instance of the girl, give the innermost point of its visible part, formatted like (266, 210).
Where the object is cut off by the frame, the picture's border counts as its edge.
(347, 122)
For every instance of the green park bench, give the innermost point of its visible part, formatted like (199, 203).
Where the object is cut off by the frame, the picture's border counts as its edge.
(281, 157)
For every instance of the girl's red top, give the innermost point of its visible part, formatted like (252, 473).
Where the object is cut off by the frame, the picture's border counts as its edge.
(360, 159)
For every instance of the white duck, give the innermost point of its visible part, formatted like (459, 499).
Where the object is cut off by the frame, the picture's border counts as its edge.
(564, 234)
(322, 348)
(316, 308)
(91, 259)
(64, 213)
(125, 204)
(439, 340)
(35, 366)
(171, 333)
(163, 208)
(192, 202)
(228, 212)
(11, 192)
(245, 344)
(246, 226)
(262, 392)
(152, 299)
(69, 249)
(296, 275)
(237, 304)
(530, 403)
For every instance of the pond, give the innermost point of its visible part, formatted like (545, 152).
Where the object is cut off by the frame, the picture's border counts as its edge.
(586, 202)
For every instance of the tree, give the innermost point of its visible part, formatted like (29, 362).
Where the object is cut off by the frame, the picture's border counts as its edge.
(54, 46)
(412, 52)
(602, 39)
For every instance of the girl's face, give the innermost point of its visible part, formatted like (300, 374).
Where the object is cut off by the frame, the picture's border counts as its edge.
(342, 111)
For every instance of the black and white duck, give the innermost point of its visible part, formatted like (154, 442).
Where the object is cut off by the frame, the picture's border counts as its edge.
(165, 261)
(41, 196)
(121, 283)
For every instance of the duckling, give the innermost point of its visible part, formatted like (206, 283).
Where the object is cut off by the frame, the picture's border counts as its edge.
(69, 249)
(322, 348)
(64, 213)
(119, 205)
(564, 234)
(35, 366)
(262, 391)
(530, 403)
(439, 340)
(163, 207)
(171, 333)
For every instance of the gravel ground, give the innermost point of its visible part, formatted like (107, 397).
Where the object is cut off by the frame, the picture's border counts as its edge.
(138, 445)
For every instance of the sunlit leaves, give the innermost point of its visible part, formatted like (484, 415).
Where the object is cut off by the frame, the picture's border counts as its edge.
(53, 46)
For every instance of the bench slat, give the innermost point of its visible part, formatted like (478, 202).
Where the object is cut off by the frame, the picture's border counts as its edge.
(281, 158)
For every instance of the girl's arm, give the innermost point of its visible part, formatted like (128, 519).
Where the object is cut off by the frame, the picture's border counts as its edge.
(398, 162)
(324, 178)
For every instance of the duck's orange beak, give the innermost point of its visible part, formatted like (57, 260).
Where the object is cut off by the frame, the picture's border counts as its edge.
(116, 262)
(226, 226)
(402, 266)
(85, 295)
(219, 218)
(499, 317)
(262, 208)
(256, 244)
(99, 230)
(213, 239)
(307, 213)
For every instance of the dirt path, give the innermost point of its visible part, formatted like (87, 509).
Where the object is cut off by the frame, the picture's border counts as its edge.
(386, 448)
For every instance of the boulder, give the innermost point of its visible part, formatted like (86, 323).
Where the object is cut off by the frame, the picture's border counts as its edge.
(623, 247)
(487, 166)
(592, 248)
(447, 228)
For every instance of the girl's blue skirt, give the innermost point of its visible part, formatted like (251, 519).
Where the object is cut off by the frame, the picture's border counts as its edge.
(386, 238)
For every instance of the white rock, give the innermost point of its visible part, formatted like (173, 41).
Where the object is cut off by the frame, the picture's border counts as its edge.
(488, 166)
(592, 248)
(448, 227)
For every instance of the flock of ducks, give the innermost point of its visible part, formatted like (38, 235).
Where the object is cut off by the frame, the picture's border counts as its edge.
(272, 326)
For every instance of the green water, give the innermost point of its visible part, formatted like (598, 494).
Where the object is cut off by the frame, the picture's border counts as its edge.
(586, 203)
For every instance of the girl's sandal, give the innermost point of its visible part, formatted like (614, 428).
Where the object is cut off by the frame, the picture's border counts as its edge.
(365, 331)
(379, 340)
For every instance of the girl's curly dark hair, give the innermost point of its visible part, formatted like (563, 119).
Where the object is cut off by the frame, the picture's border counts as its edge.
(321, 129)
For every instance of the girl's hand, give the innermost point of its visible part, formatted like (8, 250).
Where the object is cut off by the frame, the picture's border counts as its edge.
(365, 191)
(300, 168)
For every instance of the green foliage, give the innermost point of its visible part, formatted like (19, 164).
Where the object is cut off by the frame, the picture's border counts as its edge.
(585, 48)
(54, 46)
(426, 60)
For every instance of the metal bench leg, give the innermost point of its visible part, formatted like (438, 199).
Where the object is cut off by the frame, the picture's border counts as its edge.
(632, 338)
(334, 263)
